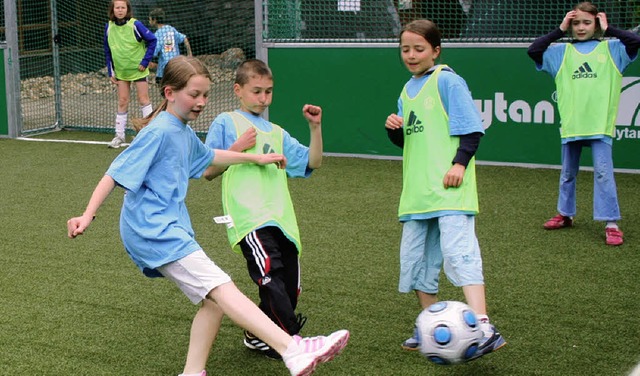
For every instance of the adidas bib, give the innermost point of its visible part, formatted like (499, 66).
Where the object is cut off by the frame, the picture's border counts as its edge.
(254, 195)
(427, 154)
(588, 92)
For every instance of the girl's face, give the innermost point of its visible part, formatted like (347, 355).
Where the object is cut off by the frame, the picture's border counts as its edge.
(583, 25)
(120, 9)
(187, 104)
(256, 95)
(417, 54)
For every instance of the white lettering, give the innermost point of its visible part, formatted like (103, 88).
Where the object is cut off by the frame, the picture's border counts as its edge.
(520, 112)
(486, 112)
(541, 109)
(501, 107)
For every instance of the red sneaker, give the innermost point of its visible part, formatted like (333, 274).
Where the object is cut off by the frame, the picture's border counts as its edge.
(559, 221)
(613, 236)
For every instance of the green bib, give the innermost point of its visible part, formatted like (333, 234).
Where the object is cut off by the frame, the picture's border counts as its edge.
(254, 195)
(427, 155)
(126, 51)
(588, 92)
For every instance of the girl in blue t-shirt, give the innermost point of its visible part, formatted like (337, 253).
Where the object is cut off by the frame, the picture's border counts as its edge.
(439, 200)
(156, 229)
(586, 26)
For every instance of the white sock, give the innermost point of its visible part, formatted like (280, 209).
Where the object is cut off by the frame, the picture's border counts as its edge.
(201, 373)
(121, 124)
(292, 349)
(146, 110)
(612, 224)
(483, 319)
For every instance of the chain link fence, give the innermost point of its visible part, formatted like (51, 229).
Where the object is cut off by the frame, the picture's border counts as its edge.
(62, 63)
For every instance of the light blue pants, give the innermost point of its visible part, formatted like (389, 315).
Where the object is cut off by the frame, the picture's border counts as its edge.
(605, 197)
(427, 244)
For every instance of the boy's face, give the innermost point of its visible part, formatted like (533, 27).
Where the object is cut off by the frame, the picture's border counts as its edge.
(256, 95)
(152, 22)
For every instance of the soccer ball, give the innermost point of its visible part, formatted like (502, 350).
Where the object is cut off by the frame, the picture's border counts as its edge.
(448, 332)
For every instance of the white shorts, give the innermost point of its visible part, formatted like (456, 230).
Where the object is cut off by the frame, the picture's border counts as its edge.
(195, 274)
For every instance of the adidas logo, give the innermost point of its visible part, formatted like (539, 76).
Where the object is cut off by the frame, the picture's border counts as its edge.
(267, 149)
(414, 126)
(584, 71)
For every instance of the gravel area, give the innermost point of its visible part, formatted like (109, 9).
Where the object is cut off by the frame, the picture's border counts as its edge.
(89, 100)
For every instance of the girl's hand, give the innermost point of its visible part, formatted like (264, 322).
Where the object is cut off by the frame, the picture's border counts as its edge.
(113, 80)
(566, 22)
(278, 159)
(141, 68)
(77, 225)
(453, 178)
(602, 17)
(313, 114)
(393, 122)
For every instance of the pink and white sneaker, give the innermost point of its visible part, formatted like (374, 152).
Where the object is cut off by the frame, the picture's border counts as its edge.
(312, 351)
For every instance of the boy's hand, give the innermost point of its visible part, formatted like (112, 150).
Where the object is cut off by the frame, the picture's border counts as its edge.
(247, 140)
(393, 122)
(453, 177)
(313, 114)
(278, 159)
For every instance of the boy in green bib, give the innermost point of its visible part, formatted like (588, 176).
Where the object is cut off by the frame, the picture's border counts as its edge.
(261, 222)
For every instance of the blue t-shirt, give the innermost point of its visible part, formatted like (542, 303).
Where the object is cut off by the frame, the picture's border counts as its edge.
(167, 46)
(222, 134)
(154, 171)
(464, 117)
(554, 55)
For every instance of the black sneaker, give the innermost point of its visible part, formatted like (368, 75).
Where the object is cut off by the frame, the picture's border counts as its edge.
(254, 343)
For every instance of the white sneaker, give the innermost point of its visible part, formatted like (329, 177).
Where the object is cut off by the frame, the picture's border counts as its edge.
(313, 351)
(116, 142)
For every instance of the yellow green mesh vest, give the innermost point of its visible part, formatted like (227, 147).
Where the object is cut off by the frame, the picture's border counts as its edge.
(254, 195)
(427, 155)
(588, 92)
(126, 51)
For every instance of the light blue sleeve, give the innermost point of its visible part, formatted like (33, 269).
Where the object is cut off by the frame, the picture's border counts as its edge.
(131, 167)
(222, 133)
(464, 117)
(619, 54)
(178, 35)
(159, 44)
(297, 157)
(201, 157)
(552, 59)
(399, 107)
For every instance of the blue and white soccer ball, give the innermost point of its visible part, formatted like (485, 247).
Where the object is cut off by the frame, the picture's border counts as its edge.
(448, 332)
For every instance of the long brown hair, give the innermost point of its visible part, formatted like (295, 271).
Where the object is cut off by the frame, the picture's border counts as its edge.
(176, 76)
(112, 16)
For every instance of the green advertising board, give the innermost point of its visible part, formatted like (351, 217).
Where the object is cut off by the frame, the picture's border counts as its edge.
(358, 88)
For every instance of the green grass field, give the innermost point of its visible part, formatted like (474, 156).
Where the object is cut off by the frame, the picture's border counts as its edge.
(566, 303)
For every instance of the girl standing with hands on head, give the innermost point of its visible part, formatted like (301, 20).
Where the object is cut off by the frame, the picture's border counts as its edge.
(439, 129)
(588, 74)
(128, 48)
(156, 229)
